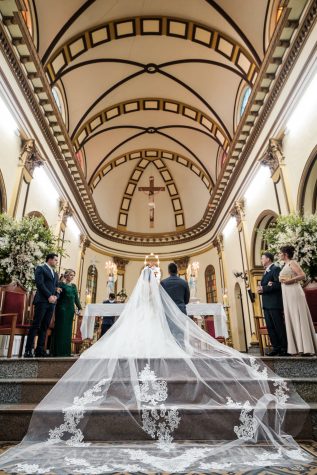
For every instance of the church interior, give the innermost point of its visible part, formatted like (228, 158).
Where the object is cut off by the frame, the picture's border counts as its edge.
(157, 131)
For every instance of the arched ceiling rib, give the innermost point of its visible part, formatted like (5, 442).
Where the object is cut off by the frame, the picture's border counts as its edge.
(151, 155)
(180, 28)
(141, 76)
(153, 104)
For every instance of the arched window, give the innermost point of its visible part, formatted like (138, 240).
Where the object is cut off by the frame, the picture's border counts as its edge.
(92, 279)
(244, 99)
(211, 287)
(59, 100)
(37, 214)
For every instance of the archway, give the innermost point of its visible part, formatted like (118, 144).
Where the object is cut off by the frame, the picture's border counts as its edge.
(265, 219)
(37, 214)
(307, 193)
(241, 331)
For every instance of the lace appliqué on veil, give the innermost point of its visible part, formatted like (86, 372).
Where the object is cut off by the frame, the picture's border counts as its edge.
(157, 421)
(280, 392)
(31, 468)
(256, 367)
(73, 415)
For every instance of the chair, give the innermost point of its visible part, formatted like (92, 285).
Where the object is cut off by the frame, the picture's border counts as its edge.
(210, 329)
(13, 311)
(77, 339)
(261, 331)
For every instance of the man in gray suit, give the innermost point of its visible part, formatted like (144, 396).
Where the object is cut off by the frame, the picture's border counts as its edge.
(176, 288)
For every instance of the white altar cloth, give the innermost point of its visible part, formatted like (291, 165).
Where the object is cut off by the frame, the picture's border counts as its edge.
(94, 310)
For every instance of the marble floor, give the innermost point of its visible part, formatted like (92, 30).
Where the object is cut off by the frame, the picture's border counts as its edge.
(302, 469)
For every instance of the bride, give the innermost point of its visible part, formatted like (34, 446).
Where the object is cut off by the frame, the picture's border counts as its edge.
(156, 393)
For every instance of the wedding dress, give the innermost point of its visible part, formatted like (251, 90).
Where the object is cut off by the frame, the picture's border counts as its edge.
(156, 393)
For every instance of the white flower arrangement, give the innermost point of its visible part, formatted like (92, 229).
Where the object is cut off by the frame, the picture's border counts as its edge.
(23, 246)
(298, 231)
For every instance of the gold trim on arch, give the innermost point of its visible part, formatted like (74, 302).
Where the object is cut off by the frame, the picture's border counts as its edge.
(152, 155)
(180, 28)
(151, 104)
(170, 186)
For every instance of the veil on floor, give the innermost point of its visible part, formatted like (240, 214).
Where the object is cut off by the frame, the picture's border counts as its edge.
(157, 393)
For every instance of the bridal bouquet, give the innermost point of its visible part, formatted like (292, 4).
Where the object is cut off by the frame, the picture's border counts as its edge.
(300, 232)
(23, 245)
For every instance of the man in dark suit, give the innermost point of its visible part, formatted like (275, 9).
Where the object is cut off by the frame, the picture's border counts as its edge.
(176, 288)
(46, 280)
(107, 322)
(272, 304)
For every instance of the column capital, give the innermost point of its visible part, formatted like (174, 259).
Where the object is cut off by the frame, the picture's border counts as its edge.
(84, 242)
(182, 264)
(273, 156)
(218, 243)
(30, 156)
(65, 210)
(120, 263)
(238, 211)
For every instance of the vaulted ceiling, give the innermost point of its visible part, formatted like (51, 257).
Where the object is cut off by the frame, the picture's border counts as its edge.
(152, 80)
(152, 88)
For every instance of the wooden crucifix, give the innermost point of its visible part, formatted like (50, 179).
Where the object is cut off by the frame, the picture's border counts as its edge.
(151, 191)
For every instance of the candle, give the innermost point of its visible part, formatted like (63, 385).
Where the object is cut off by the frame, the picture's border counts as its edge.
(88, 299)
(225, 300)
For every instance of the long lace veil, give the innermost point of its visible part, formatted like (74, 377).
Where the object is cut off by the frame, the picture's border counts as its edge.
(157, 393)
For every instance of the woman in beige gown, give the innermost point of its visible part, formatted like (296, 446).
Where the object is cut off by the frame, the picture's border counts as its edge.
(300, 329)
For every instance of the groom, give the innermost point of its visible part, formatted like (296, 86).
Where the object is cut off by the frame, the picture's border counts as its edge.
(176, 288)
(46, 280)
(272, 304)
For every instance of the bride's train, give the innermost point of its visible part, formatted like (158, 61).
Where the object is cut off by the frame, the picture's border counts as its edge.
(156, 393)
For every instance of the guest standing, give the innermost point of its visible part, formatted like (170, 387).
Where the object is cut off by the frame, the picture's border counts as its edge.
(46, 280)
(272, 304)
(300, 329)
(64, 315)
(107, 322)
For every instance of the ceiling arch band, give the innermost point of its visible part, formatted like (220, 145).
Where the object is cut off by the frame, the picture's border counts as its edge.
(151, 104)
(170, 186)
(151, 155)
(155, 25)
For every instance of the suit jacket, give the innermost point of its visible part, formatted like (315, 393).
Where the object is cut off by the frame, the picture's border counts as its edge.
(178, 290)
(272, 295)
(46, 284)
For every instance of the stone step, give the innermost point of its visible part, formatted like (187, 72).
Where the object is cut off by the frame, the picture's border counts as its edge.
(33, 390)
(286, 367)
(113, 424)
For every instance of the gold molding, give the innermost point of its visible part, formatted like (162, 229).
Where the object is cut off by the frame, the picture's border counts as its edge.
(180, 28)
(150, 104)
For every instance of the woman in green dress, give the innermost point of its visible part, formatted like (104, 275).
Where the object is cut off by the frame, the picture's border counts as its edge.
(64, 315)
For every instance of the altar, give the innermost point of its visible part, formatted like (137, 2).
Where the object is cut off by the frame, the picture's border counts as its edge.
(94, 310)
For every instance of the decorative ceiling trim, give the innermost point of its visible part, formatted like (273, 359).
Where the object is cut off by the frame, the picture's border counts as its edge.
(281, 56)
(180, 28)
(151, 154)
(133, 181)
(150, 104)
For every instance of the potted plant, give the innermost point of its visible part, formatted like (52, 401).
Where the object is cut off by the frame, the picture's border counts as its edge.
(301, 232)
(23, 246)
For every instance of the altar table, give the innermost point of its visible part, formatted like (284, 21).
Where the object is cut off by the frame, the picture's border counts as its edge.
(94, 310)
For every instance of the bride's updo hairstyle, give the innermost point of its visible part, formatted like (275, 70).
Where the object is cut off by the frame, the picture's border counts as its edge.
(288, 250)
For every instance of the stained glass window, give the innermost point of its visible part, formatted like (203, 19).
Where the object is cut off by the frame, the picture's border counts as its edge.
(245, 98)
(92, 279)
(211, 286)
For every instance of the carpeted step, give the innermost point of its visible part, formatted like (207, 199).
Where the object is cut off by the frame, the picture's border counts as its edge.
(286, 367)
(214, 423)
(32, 391)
